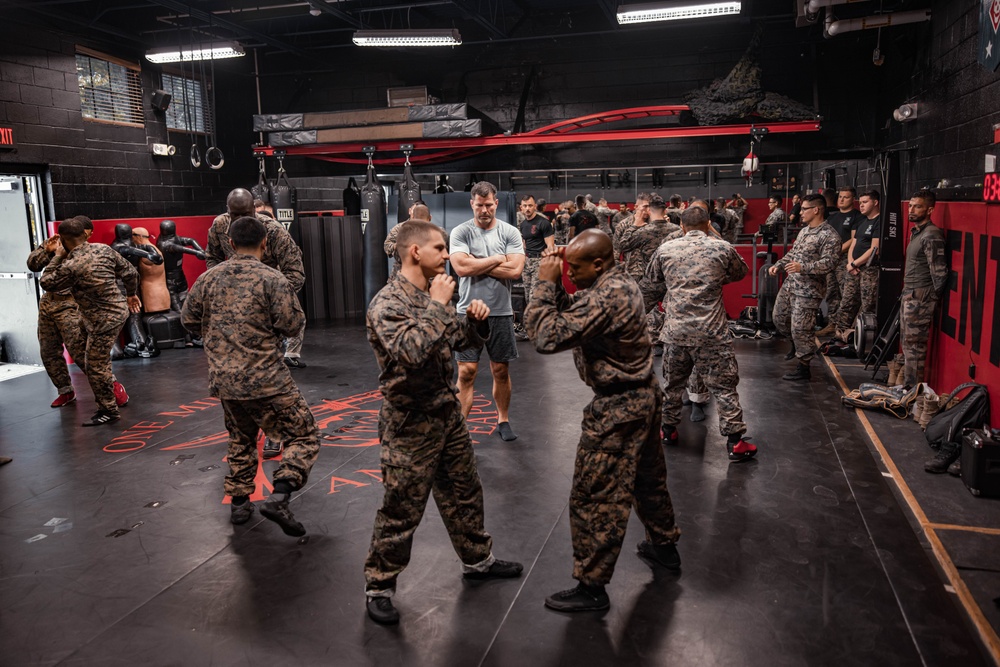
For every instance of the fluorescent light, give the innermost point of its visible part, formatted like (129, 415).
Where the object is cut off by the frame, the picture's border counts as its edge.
(672, 11)
(195, 52)
(407, 38)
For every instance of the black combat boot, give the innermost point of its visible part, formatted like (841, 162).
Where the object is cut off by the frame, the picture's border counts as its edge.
(791, 353)
(381, 611)
(663, 554)
(948, 454)
(241, 512)
(271, 448)
(500, 569)
(801, 372)
(276, 509)
(581, 598)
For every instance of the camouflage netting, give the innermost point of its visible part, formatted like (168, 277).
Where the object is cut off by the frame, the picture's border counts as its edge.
(739, 95)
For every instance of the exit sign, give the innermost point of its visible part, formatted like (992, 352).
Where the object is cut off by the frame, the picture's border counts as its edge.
(6, 136)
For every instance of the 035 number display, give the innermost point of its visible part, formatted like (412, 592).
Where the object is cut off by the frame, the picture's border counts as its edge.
(991, 188)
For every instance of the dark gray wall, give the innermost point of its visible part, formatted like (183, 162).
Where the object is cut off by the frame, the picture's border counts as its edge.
(108, 171)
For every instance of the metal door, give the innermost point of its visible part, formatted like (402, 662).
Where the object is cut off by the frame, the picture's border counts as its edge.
(18, 287)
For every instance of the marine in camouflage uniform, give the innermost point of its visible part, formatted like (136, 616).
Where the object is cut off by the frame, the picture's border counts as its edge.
(58, 325)
(686, 276)
(281, 253)
(619, 460)
(90, 273)
(817, 249)
(425, 443)
(924, 279)
(241, 309)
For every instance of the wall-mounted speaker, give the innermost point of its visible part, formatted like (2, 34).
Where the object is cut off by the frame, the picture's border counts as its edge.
(161, 99)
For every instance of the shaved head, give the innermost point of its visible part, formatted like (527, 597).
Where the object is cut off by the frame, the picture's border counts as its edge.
(240, 203)
(420, 212)
(592, 244)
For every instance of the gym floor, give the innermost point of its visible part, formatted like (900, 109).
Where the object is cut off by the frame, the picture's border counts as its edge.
(116, 546)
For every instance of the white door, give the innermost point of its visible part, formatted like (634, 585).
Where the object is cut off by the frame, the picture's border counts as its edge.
(18, 286)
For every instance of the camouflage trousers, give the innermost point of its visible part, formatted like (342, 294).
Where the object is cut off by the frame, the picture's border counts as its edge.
(795, 317)
(619, 465)
(96, 364)
(834, 289)
(696, 388)
(58, 325)
(293, 345)
(654, 324)
(425, 453)
(860, 295)
(716, 364)
(286, 418)
(916, 314)
(529, 276)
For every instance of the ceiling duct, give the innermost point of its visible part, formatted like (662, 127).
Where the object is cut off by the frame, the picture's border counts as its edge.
(834, 27)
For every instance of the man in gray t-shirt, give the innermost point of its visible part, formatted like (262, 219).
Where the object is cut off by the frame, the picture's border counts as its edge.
(488, 255)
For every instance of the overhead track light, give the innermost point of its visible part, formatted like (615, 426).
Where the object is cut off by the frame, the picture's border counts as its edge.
(673, 11)
(407, 38)
(215, 51)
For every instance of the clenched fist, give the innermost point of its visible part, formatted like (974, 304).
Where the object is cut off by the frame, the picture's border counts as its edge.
(551, 268)
(477, 310)
(442, 288)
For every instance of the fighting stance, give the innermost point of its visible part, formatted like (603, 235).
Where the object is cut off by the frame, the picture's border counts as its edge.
(426, 447)
(241, 310)
(924, 279)
(687, 275)
(815, 254)
(488, 256)
(90, 272)
(619, 461)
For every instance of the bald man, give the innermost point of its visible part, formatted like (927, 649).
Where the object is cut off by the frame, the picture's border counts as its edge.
(619, 461)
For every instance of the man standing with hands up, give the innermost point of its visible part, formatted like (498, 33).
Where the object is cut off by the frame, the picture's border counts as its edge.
(426, 448)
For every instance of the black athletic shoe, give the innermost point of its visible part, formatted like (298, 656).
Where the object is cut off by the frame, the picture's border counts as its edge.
(581, 598)
(801, 372)
(102, 417)
(276, 509)
(381, 611)
(506, 432)
(500, 569)
(240, 514)
(271, 448)
(294, 362)
(663, 554)
(947, 455)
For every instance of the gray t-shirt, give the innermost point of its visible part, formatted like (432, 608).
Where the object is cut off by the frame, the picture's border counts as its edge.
(503, 239)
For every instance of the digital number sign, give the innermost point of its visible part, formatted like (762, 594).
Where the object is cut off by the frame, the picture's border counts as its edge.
(991, 188)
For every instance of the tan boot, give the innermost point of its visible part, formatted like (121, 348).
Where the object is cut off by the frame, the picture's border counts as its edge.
(828, 330)
(918, 408)
(932, 406)
(894, 371)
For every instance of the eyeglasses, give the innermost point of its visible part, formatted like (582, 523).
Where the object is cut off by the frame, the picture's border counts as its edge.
(807, 208)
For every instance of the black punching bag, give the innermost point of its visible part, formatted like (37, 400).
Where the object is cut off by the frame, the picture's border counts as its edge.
(409, 194)
(352, 198)
(284, 199)
(374, 230)
(262, 190)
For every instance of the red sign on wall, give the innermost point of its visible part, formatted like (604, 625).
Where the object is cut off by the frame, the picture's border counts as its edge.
(6, 137)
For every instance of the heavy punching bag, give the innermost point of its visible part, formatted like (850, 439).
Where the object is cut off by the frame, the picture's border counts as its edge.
(352, 198)
(284, 200)
(262, 190)
(409, 193)
(374, 231)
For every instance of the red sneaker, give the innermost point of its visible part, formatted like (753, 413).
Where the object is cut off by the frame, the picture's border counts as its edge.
(64, 399)
(741, 451)
(121, 396)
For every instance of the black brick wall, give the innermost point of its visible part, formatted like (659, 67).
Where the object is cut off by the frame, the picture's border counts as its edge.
(109, 171)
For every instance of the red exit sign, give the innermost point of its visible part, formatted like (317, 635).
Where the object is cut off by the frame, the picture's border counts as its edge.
(6, 136)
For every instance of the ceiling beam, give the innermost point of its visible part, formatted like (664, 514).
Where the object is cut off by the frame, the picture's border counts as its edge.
(338, 13)
(473, 13)
(212, 20)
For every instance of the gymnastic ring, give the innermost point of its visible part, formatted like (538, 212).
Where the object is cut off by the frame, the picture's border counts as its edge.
(195, 156)
(210, 154)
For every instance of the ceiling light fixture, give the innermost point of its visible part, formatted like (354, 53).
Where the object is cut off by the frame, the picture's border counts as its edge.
(216, 51)
(672, 11)
(407, 38)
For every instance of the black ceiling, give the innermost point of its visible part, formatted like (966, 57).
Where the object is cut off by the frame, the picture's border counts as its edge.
(310, 30)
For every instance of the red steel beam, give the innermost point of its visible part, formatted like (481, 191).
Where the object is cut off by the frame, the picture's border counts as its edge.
(497, 141)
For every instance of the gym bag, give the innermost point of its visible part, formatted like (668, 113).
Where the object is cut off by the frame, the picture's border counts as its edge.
(972, 411)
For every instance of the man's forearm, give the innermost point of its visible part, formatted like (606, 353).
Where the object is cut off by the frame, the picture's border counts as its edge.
(508, 270)
(476, 266)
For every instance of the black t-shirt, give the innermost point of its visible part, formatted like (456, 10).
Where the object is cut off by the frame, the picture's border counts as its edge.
(844, 223)
(864, 233)
(534, 232)
(582, 220)
(796, 216)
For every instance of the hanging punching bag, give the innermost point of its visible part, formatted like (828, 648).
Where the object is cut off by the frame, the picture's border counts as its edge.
(352, 198)
(374, 231)
(409, 194)
(262, 190)
(284, 199)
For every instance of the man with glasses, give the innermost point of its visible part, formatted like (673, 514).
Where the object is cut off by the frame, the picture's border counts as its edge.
(815, 253)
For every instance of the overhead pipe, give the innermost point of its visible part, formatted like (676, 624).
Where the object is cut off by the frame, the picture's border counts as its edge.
(834, 28)
(813, 6)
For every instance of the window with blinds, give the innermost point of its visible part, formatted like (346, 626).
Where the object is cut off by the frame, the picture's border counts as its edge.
(110, 90)
(190, 108)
